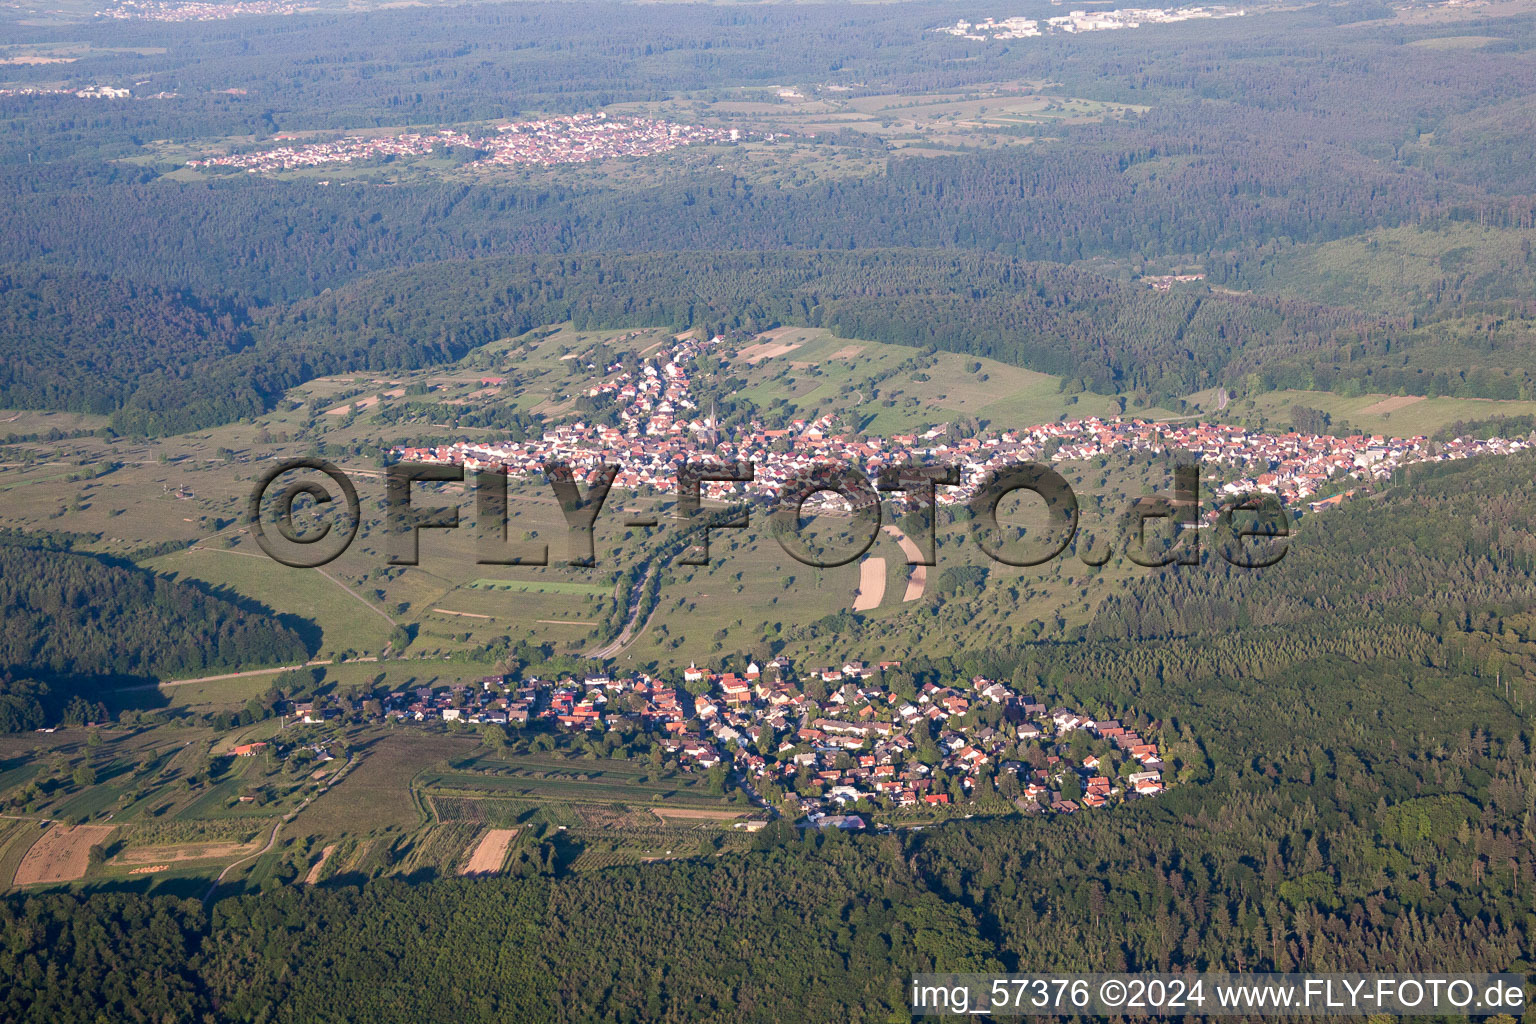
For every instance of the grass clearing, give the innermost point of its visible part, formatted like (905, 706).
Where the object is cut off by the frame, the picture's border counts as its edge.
(345, 623)
(376, 795)
(1393, 415)
(543, 587)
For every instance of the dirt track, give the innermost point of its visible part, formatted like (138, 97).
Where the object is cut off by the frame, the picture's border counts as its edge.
(314, 872)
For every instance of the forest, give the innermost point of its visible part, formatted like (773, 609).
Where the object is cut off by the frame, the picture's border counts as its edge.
(74, 624)
(1024, 252)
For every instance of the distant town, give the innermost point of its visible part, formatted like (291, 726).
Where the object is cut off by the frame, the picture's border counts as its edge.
(175, 10)
(661, 427)
(93, 92)
(840, 743)
(577, 138)
(1082, 21)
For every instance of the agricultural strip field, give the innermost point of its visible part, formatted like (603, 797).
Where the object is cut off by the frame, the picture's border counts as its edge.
(490, 853)
(871, 584)
(540, 779)
(597, 788)
(673, 815)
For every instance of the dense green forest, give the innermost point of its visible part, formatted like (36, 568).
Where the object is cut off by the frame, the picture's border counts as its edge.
(73, 624)
(87, 342)
(1114, 337)
(1356, 793)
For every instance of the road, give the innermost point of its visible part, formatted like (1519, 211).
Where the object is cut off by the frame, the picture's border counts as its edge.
(744, 783)
(228, 675)
(237, 675)
(608, 650)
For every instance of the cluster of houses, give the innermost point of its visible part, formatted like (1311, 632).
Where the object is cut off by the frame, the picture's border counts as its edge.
(1165, 282)
(865, 747)
(177, 10)
(836, 745)
(578, 138)
(1082, 21)
(662, 428)
(92, 92)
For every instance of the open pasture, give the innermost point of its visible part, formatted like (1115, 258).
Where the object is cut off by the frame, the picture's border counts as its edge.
(377, 794)
(1391, 415)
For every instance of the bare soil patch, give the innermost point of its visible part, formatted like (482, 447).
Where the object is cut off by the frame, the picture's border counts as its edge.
(918, 581)
(916, 584)
(60, 854)
(314, 872)
(491, 853)
(871, 585)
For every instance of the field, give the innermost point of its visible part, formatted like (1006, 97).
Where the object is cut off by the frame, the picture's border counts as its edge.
(1392, 415)
(153, 855)
(60, 854)
(871, 584)
(545, 778)
(377, 795)
(36, 421)
(817, 372)
(984, 116)
(344, 620)
(677, 814)
(490, 853)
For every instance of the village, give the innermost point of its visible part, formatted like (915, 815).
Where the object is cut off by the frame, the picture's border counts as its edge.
(92, 92)
(846, 743)
(660, 427)
(577, 138)
(1082, 21)
(193, 10)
